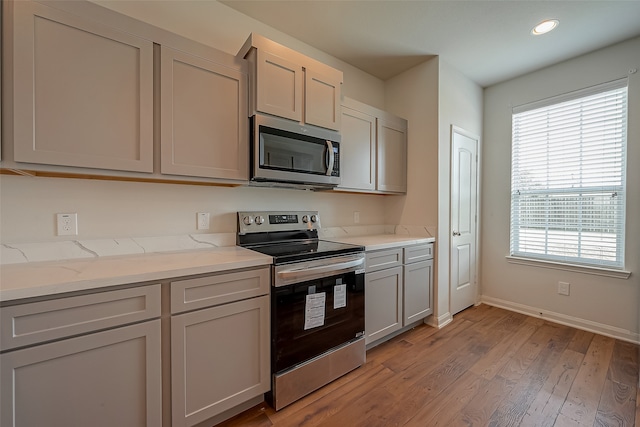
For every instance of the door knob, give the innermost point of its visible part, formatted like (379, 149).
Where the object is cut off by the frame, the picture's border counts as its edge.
(455, 233)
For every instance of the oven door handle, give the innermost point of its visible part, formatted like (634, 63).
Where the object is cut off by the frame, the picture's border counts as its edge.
(330, 268)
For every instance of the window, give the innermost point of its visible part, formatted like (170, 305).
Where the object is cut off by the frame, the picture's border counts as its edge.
(568, 177)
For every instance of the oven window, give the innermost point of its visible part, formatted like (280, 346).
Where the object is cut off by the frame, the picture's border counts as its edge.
(284, 150)
(300, 332)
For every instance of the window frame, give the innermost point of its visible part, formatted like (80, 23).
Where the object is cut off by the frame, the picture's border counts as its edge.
(564, 262)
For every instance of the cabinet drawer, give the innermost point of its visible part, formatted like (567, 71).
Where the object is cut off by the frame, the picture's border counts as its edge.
(418, 253)
(36, 322)
(380, 260)
(217, 289)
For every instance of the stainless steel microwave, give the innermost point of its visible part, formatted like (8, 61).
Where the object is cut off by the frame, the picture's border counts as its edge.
(284, 151)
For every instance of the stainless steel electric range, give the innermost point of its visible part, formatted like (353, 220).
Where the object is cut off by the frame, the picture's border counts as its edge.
(317, 301)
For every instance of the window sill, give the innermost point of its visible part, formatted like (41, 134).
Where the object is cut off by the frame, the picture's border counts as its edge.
(585, 269)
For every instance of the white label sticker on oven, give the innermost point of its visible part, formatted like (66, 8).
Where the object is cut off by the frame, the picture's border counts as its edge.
(361, 271)
(314, 310)
(339, 296)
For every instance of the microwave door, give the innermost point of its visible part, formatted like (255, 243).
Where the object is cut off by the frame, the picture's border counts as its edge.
(285, 156)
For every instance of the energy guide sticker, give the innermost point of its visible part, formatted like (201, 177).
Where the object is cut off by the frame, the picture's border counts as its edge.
(339, 296)
(314, 310)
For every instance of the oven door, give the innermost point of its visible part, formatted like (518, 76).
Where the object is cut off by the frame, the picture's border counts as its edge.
(286, 151)
(315, 316)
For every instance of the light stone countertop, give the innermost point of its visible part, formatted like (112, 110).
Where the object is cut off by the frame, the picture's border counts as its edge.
(382, 241)
(35, 279)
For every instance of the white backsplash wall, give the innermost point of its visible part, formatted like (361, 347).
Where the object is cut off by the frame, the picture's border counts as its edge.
(114, 209)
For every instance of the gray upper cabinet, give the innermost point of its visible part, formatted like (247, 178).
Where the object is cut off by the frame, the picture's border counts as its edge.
(392, 155)
(204, 118)
(288, 84)
(358, 149)
(82, 92)
(374, 150)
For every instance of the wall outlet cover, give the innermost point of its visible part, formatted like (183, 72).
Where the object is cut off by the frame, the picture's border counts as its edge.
(67, 224)
(202, 220)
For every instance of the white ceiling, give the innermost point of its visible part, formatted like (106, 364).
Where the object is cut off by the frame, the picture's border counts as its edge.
(489, 41)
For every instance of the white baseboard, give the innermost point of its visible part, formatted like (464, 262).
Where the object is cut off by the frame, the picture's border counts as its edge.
(440, 321)
(563, 319)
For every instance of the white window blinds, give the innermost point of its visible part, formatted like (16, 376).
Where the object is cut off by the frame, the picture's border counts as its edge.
(568, 177)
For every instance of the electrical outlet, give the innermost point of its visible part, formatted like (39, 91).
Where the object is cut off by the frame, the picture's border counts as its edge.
(356, 217)
(563, 288)
(67, 224)
(203, 220)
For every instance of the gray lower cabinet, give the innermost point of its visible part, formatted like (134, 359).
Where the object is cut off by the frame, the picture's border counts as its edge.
(398, 289)
(383, 303)
(220, 354)
(417, 291)
(107, 378)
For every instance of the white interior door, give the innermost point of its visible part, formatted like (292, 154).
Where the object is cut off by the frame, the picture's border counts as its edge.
(464, 195)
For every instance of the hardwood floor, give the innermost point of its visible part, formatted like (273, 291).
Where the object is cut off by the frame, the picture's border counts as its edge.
(489, 367)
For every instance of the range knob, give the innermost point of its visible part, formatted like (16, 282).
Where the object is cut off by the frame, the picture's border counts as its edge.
(314, 218)
(305, 219)
(247, 220)
(259, 220)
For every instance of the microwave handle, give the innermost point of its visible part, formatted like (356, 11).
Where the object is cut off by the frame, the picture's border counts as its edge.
(329, 163)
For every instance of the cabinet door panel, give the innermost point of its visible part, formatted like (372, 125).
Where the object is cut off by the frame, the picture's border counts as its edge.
(219, 359)
(417, 291)
(383, 303)
(83, 92)
(392, 157)
(37, 322)
(279, 86)
(110, 378)
(358, 150)
(322, 100)
(204, 118)
(380, 260)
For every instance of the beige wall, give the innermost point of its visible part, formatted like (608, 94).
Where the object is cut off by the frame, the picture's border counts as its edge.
(600, 303)
(128, 209)
(433, 96)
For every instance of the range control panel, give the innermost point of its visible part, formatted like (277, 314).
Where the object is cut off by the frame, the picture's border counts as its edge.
(266, 221)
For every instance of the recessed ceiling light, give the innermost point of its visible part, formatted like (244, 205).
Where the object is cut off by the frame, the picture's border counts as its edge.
(544, 27)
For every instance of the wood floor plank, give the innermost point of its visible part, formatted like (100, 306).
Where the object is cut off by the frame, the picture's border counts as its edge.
(440, 410)
(617, 406)
(512, 410)
(488, 367)
(624, 363)
(499, 355)
(584, 396)
(478, 411)
(524, 357)
(545, 408)
(581, 341)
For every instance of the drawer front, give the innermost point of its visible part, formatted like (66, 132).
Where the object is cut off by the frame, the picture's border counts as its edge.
(379, 260)
(418, 253)
(37, 322)
(218, 289)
